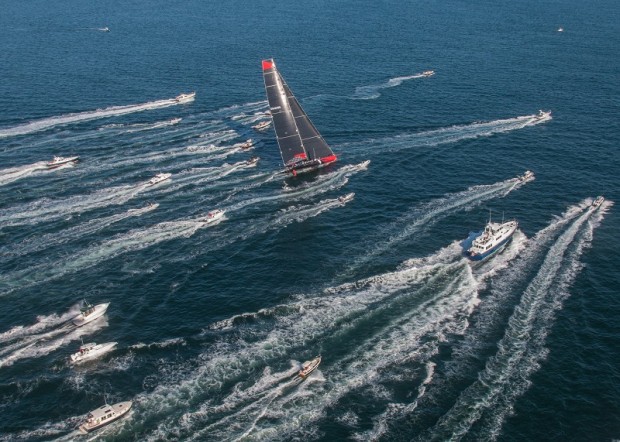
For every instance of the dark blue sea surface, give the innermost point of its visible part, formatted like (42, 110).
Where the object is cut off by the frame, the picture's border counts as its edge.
(213, 320)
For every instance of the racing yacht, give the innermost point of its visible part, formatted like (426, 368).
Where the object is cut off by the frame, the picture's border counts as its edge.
(301, 145)
(89, 313)
(493, 239)
(91, 351)
(61, 161)
(104, 415)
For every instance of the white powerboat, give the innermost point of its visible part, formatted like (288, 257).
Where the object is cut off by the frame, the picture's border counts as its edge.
(91, 351)
(184, 98)
(308, 367)
(598, 201)
(158, 178)
(61, 161)
(89, 313)
(493, 239)
(428, 73)
(346, 198)
(246, 144)
(262, 126)
(175, 120)
(212, 216)
(252, 161)
(560, 29)
(542, 115)
(527, 176)
(105, 415)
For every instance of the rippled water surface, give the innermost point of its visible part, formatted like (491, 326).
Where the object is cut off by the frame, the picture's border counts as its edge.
(212, 320)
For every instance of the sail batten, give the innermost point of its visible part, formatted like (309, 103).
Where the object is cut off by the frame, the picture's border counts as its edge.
(301, 145)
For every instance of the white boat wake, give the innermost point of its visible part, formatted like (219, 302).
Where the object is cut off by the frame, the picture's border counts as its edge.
(488, 401)
(114, 111)
(42, 344)
(426, 215)
(372, 91)
(36, 244)
(447, 135)
(15, 173)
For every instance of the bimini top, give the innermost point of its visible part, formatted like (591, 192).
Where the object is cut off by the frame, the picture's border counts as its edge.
(298, 139)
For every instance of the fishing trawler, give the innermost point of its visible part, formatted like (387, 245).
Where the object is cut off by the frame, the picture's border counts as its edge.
(184, 98)
(104, 415)
(61, 161)
(91, 351)
(301, 145)
(89, 313)
(308, 367)
(493, 239)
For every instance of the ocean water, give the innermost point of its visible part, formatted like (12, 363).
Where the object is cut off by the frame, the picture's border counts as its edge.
(212, 321)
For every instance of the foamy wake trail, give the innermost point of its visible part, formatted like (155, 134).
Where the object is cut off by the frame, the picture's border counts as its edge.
(419, 305)
(46, 123)
(372, 91)
(36, 244)
(15, 173)
(52, 209)
(43, 323)
(522, 349)
(133, 240)
(428, 214)
(310, 322)
(48, 342)
(452, 134)
(322, 184)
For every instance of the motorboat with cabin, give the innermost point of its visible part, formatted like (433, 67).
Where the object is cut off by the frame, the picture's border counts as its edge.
(598, 201)
(543, 114)
(247, 144)
(262, 126)
(308, 367)
(212, 216)
(104, 415)
(493, 239)
(428, 73)
(527, 176)
(184, 98)
(158, 178)
(346, 198)
(302, 147)
(89, 313)
(91, 351)
(61, 161)
(252, 161)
